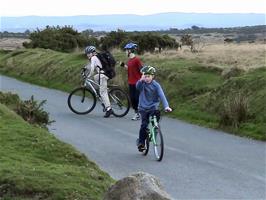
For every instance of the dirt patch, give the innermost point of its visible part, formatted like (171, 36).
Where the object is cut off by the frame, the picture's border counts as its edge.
(12, 43)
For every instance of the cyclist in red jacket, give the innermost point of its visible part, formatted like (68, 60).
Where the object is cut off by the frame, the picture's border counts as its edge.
(133, 67)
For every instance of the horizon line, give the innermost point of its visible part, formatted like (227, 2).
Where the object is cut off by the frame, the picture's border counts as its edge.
(117, 14)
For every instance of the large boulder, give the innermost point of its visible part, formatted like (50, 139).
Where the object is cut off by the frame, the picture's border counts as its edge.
(139, 186)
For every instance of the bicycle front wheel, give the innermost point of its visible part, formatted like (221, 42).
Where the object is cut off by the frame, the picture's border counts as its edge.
(119, 102)
(158, 144)
(147, 146)
(81, 101)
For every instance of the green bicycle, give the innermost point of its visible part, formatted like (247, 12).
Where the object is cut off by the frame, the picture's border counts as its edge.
(155, 137)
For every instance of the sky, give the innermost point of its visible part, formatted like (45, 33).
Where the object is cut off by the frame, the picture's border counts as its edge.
(139, 7)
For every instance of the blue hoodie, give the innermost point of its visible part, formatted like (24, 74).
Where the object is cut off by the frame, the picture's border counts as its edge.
(150, 95)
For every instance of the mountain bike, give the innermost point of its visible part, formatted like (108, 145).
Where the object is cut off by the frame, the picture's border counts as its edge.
(155, 137)
(82, 100)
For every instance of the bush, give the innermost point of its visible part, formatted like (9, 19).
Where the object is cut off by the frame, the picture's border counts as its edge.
(32, 112)
(64, 39)
(234, 111)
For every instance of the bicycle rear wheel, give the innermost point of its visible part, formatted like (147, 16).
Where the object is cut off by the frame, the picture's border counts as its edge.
(81, 101)
(159, 144)
(119, 102)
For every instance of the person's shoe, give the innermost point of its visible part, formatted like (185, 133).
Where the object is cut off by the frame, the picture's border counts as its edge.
(135, 117)
(141, 147)
(108, 113)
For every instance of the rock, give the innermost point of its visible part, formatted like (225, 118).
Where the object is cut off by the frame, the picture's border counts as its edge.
(139, 186)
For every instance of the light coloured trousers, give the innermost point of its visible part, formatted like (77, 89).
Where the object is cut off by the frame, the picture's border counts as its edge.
(103, 89)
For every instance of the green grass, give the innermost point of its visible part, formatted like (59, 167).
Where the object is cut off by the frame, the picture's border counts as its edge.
(35, 165)
(194, 90)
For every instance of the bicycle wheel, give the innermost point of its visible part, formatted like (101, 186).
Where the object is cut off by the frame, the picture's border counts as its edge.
(147, 145)
(158, 145)
(81, 101)
(119, 102)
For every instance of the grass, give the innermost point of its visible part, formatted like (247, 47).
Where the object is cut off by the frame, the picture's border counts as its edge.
(195, 89)
(244, 56)
(35, 165)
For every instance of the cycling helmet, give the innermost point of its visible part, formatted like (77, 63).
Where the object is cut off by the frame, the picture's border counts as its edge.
(90, 49)
(148, 70)
(130, 46)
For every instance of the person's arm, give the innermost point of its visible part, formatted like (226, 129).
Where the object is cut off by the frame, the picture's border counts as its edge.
(91, 67)
(140, 83)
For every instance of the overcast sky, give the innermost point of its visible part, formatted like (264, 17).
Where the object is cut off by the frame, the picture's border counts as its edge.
(140, 7)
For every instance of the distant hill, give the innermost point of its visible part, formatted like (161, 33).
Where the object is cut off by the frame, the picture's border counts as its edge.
(160, 21)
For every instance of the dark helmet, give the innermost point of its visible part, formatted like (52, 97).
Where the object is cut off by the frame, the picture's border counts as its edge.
(130, 46)
(148, 70)
(90, 49)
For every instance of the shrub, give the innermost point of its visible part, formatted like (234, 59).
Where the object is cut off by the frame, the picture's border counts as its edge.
(234, 110)
(32, 112)
(64, 39)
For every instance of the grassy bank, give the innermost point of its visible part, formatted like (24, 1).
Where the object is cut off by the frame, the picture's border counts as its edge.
(35, 165)
(199, 93)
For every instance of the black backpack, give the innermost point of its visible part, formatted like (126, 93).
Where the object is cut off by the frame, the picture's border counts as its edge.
(108, 63)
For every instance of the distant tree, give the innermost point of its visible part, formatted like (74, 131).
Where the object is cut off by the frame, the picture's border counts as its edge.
(187, 40)
(195, 27)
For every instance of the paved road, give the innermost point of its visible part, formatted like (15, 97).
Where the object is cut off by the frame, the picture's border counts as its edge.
(199, 163)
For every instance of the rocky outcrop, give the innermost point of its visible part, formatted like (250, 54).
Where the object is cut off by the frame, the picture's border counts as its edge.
(139, 186)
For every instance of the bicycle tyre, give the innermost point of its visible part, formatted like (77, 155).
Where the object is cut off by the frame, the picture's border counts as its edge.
(159, 146)
(85, 95)
(119, 102)
(147, 145)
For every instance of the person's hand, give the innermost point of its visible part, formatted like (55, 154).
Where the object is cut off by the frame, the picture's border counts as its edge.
(142, 77)
(122, 64)
(168, 109)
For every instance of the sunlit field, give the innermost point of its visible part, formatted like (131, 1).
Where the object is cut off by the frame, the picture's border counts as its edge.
(244, 56)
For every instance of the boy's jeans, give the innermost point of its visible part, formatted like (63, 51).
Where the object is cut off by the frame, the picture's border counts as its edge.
(144, 123)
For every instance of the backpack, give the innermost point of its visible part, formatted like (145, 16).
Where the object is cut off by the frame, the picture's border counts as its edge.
(108, 63)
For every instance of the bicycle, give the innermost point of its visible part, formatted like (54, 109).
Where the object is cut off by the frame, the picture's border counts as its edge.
(155, 137)
(82, 100)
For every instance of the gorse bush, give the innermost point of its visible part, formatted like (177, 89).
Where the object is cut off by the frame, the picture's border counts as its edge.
(64, 39)
(30, 110)
(147, 41)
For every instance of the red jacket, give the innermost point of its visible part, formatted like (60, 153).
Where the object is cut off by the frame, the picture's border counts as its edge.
(134, 65)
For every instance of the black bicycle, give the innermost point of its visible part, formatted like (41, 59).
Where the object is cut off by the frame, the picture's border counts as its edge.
(82, 100)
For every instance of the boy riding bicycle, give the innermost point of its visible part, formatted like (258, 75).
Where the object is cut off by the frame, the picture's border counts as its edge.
(150, 95)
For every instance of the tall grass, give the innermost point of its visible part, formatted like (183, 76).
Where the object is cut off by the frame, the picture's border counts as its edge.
(244, 56)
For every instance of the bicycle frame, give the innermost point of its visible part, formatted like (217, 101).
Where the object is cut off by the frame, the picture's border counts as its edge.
(153, 123)
(89, 83)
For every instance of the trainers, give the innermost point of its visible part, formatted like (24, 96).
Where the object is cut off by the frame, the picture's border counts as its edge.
(136, 116)
(108, 113)
(141, 147)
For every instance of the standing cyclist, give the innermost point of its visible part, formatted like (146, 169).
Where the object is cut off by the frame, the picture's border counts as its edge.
(133, 67)
(100, 77)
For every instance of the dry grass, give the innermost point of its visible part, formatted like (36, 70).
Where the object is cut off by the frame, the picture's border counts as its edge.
(244, 56)
(12, 43)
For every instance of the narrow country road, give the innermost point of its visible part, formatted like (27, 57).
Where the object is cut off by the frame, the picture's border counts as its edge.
(199, 163)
